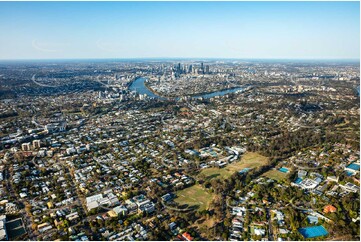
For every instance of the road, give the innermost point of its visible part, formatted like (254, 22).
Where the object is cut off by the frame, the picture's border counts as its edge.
(13, 196)
(270, 229)
(41, 84)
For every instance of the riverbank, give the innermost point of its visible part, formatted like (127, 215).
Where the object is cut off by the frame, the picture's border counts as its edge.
(155, 92)
(141, 86)
(225, 91)
(131, 82)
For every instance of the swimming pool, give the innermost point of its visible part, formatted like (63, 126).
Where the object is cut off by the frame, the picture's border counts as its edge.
(283, 169)
(312, 232)
(298, 180)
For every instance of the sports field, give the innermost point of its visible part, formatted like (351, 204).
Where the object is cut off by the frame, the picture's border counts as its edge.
(248, 160)
(195, 195)
(275, 175)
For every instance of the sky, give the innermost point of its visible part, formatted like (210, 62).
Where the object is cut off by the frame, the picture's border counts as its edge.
(245, 30)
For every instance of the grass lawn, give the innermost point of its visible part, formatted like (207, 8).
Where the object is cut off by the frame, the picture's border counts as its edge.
(275, 175)
(195, 195)
(203, 224)
(248, 160)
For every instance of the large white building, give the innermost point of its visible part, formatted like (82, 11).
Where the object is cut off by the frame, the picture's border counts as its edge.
(3, 234)
(309, 184)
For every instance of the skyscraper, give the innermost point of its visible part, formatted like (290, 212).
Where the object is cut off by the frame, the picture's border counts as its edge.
(179, 68)
(207, 69)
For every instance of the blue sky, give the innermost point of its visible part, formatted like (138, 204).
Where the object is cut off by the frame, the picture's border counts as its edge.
(291, 30)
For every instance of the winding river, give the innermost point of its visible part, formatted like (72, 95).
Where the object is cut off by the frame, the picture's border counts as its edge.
(139, 86)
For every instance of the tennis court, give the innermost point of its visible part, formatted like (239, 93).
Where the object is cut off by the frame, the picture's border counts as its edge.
(312, 232)
(15, 228)
(354, 166)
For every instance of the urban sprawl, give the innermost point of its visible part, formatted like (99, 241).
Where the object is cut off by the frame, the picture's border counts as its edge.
(179, 150)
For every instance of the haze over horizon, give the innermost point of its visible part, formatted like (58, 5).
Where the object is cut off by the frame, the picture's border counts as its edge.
(228, 30)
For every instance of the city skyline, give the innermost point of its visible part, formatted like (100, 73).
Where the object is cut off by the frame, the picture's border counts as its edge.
(145, 30)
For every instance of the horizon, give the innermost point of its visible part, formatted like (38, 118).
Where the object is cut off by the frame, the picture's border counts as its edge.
(143, 30)
(184, 58)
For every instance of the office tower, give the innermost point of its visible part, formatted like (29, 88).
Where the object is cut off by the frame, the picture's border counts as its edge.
(190, 69)
(207, 69)
(202, 68)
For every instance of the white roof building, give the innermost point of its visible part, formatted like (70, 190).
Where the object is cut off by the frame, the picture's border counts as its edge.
(258, 231)
(309, 184)
(3, 234)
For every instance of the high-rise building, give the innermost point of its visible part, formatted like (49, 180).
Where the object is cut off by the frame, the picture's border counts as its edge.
(207, 69)
(190, 69)
(202, 68)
